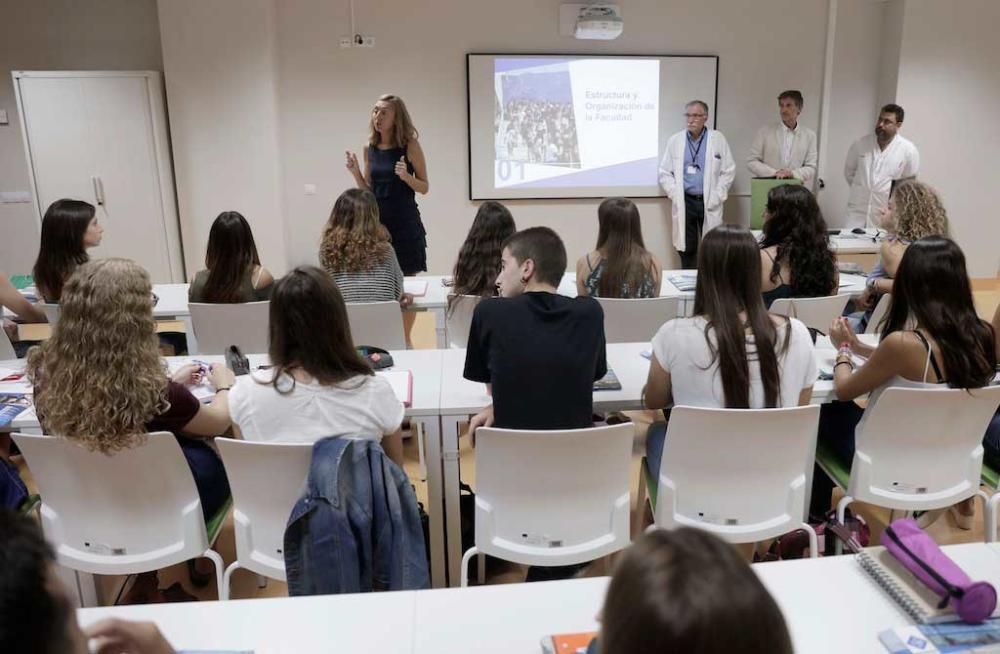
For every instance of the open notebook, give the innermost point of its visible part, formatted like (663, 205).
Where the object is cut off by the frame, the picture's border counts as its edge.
(916, 599)
(401, 382)
(415, 287)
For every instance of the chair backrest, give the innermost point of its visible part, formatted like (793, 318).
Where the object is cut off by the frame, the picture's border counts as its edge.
(816, 312)
(744, 474)
(135, 511)
(217, 326)
(553, 497)
(459, 318)
(377, 323)
(635, 320)
(266, 480)
(6, 347)
(878, 313)
(921, 448)
(51, 312)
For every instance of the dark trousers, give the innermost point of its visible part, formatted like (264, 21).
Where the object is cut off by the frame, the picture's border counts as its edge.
(837, 422)
(694, 222)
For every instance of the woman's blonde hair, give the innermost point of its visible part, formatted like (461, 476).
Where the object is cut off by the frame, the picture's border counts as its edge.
(99, 379)
(403, 130)
(918, 211)
(353, 240)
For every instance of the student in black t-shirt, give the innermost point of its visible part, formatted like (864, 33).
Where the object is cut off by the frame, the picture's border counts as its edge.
(539, 352)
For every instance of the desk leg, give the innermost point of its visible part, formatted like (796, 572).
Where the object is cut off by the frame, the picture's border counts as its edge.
(441, 327)
(452, 477)
(435, 502)
(192, 342)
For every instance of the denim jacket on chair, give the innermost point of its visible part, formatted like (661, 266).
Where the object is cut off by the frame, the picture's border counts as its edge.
(356, 527)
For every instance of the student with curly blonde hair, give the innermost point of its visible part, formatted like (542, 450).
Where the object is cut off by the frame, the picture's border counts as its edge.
(100, 381)
(357, 253)
(914, 211)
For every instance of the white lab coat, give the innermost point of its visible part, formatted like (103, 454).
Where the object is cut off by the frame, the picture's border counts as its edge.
(719, 172)
(870, 172)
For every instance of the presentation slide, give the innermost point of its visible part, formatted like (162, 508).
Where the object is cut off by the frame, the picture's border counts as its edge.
(576, 126)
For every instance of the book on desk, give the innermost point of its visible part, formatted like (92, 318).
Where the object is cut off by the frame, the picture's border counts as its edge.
(12, 405)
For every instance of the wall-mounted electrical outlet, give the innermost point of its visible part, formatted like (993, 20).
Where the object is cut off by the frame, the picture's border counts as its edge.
(367, 41)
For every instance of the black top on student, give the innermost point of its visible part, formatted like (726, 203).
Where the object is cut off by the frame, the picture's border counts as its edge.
(539, 351)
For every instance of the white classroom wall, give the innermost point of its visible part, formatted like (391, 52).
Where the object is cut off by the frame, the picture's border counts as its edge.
(59, 35)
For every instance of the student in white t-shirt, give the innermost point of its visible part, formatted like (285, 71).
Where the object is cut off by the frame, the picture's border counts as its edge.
(319, 385)
(731, 353)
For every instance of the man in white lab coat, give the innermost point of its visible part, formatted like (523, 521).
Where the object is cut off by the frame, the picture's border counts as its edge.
(873, 163)
(696, 172)
(787, 149)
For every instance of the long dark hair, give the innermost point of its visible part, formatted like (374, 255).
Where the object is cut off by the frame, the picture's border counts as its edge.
(619, 239)
(61, 249)
(729, 282)
(309, 329)
(685, 590)
(478, 262)
(932, 288)
(230, 258)
(797, 228)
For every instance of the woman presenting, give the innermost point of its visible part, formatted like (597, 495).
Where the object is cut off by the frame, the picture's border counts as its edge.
(395, 170)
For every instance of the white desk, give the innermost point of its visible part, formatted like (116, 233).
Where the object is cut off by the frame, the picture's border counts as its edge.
(830, 606)
(372, 622)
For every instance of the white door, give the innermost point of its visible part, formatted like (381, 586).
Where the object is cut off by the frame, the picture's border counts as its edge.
(92, 138)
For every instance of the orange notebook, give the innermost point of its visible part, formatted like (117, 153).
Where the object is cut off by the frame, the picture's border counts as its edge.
(578, 643)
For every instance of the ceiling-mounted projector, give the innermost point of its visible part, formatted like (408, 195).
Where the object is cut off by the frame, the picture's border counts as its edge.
(602, 22)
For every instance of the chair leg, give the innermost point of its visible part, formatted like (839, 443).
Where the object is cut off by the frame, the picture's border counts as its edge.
(989, 516)
(465, 565)
(227, 578)
(418, 432)
(841, 513)
(261, 581)
(640, 501)
(481, 573)
(813, 540)
(219, 570)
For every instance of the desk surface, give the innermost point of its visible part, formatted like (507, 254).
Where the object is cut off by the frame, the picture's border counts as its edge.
(830, 606)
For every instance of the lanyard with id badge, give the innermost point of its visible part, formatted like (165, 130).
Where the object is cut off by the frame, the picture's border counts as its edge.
(693, 168)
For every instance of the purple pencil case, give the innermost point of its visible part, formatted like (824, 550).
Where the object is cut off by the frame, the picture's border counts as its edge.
(973, 601)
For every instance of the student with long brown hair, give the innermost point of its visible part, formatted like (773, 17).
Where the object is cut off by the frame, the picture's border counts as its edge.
(620, 266)
(731, 353)
(100, 381)
(394, 170)
(686, 590)
(233, 273)
(69, 229)
(478, 262)
(319, 385)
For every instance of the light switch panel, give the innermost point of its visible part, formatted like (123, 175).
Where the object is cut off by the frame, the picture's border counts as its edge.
(3, 117)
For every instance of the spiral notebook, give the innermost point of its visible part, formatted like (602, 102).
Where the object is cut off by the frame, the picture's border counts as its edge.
(915, 598)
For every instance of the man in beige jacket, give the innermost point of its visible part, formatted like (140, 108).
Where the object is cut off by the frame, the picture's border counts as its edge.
(787, 149)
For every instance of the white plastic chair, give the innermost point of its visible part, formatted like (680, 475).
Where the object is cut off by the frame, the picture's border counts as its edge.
(743, 474)
(136, 511)
(921, 449)
(815, 312)
(551, 497)
(878, 313)
(458, 317)
(6, 347)
(379, 324)
(51, 312)
(217, 326)
(635, 320)
(266, 480)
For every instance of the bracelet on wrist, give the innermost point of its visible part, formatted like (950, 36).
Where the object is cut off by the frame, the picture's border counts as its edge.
(223, 388)
(844, 363)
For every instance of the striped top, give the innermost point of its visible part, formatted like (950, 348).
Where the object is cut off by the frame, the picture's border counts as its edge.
(384, 282)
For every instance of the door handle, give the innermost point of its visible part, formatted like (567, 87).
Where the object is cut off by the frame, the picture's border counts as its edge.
(98, 190)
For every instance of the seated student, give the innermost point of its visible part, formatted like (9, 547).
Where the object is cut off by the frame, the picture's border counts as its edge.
(732, 353)
(100, 381)
(914, 211)
(932, 338)
(356, 250)
(795, 255)
(233, 272)
(538, 352)
(478, 260)
(37, 613)
(619, 266)
(319, 385)
(69, 229)
(11, 299)
(685, 590)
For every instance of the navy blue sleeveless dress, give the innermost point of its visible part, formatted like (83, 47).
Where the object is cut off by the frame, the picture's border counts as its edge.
(398, 210)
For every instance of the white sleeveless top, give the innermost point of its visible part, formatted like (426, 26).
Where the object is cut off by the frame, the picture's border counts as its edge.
(898, 381)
